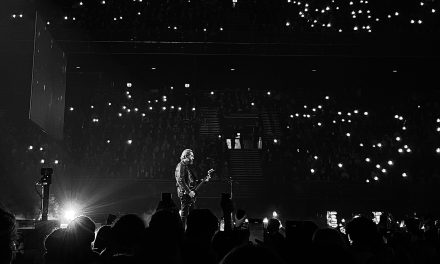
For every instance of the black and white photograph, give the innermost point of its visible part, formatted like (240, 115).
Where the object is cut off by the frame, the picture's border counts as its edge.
(219, 131)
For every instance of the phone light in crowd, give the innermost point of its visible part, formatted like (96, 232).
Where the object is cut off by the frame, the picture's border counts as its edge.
(179, 108)
(108, 141)
(109, 104)
(119, 114)
(378, 166)
(437, 150)
(400, 150)
(312, 171)
(42, 161)
(186, 85)
(56, 161)
(408, 150)
(404, 128)
(398, 138)
(274, 214)
(143, 114)
(327, 97)
(376, 178)
(275, 141)
(348, 134)
(379, 145)
(252, 104)
(319, 106)
(319, 124)
(164, 108)
(315, 157)
(129, 96)
(376, 218)
(212, 92)
(384, 170)
(438, 120)
(367, 159)
(367, 181)
(340, 165)
(265, 221)
(438, 129)
(164, 98)
(356, 111)
(339, 113)
(129, 85)
(71, 108)
(332, 219)
(129, 141)
(31, 147)
(390, 162)
(91, 107)
(41, 148)
(365, 113)
(404, 175)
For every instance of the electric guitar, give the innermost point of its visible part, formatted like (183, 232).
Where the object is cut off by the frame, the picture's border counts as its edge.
(197, 187)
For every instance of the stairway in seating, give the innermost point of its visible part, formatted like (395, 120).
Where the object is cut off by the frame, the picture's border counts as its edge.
(209, 121)
(271, 125)
(246, 172)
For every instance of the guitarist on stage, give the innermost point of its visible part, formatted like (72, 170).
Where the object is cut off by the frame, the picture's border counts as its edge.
(185, 180)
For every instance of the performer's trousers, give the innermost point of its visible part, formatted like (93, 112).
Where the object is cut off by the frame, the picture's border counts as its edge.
(186, 206)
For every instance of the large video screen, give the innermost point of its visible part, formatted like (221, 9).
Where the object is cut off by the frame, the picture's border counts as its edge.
(48, 82)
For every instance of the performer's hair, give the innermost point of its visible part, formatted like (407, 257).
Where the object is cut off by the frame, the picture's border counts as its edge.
(185, 154)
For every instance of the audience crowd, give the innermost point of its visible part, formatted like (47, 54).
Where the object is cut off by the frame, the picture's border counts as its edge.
(128, 239)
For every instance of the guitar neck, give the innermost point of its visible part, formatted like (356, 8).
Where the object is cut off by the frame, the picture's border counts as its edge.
(199, 185)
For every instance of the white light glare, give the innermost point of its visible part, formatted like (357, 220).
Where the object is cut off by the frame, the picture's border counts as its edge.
(274, 214)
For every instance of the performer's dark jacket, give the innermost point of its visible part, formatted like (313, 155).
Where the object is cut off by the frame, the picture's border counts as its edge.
(184, 179)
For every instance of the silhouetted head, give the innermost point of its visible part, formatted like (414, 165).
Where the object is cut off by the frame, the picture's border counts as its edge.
(273, 225)
(81, 232)
(328, 237)
(127, 231)
(103, 238)
(55, 245)
(166, 222)
(7, 235)
(201, 222)
(362, 231)
(251, 254)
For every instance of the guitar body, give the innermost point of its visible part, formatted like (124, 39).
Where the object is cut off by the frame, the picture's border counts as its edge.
(200, 184)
